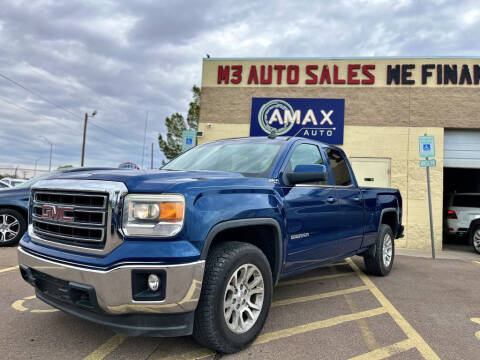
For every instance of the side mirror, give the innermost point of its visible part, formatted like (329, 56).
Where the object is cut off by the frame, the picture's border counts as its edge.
(307, 173)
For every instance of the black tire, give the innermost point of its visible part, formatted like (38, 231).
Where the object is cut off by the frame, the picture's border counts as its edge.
(473, 240)
(373, 259)
(210, 327)
(21, 227)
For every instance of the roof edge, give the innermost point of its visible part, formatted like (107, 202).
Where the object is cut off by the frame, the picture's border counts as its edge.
(339, 58)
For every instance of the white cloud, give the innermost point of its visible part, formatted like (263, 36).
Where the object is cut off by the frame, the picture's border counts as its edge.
(126, 57)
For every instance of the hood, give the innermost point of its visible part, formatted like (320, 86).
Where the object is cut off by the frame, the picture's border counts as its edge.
(154, 181)
(14, 192)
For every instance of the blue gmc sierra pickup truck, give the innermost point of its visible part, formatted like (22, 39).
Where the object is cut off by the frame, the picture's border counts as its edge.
(198, 246)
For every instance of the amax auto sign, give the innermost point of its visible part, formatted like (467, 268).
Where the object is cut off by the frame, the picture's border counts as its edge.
(319, 119)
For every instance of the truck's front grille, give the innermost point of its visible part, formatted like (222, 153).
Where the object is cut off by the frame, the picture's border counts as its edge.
(74, 218)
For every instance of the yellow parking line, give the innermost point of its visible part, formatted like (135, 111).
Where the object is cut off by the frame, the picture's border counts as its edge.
(367, 334)
(387, 351)
(319, 296)
(191, 355)
(106, 348)
(478, 262)
(316, 325)
(411, 333)
(313, 278)
(284, 333)
(9, 269)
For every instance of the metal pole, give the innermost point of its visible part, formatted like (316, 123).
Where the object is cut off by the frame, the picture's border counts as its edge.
(144, 138)
(50, 163)
(430, 211)
(35, 171)
(151, 158)
(84, 138)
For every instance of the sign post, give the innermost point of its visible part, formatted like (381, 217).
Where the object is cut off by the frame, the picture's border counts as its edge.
(427, 149)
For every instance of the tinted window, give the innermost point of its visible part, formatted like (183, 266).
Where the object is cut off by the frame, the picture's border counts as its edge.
(466, 201)
(305, 154)
(248, 158)
(339, 168)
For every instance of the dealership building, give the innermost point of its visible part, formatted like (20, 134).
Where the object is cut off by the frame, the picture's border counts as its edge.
(374, 108)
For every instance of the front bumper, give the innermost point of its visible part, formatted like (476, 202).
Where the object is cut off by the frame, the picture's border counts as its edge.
(180, 324)
(109, 292)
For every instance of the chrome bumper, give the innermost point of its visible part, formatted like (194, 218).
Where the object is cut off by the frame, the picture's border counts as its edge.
(113, 288)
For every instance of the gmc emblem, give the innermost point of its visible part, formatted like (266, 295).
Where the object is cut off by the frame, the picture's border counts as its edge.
(52, 212)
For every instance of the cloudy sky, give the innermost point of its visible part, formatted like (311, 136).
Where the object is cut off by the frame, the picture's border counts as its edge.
(124, 58)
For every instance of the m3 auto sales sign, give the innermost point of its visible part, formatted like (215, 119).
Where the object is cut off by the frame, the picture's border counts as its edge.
(318, 119)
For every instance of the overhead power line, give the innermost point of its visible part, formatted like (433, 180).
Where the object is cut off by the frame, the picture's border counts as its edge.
(37, 94)
(59, 106)
(94, 136)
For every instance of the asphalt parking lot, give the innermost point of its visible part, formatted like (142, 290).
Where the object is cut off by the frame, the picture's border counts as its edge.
(424, 309)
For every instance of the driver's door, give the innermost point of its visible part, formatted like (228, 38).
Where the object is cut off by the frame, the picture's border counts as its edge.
(313, 214)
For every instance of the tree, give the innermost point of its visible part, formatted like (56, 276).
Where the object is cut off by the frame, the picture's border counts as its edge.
(194, 109)
(65, 167)
(171, 146)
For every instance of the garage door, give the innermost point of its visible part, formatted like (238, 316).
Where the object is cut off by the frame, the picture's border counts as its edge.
(374, 172)
(462, 149)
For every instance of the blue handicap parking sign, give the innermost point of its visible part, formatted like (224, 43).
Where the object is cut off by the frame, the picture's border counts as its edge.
(427, 146)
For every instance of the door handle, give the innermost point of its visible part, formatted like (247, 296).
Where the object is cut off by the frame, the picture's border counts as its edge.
(331, 199)
(356, 198)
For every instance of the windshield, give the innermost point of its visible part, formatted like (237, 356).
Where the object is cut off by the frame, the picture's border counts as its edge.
(248, 158)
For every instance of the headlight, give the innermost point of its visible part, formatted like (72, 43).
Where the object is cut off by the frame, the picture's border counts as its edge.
(153, 215)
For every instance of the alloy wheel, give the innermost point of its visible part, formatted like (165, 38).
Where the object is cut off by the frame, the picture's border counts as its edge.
(476, 240)
(387, 250)
(243, 298)
(9, 227)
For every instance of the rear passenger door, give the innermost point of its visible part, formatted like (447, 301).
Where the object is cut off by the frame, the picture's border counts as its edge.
(350, 201)
(313, 215)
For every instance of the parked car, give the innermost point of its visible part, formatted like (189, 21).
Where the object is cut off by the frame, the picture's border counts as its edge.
(463, 217)
(198, 246)
(13, 181)
(4, 185)
(14, 207)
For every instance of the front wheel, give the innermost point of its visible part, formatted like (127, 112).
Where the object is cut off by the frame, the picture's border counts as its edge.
(379, 259)
(12, 227)
(235, 299)
(475, 238)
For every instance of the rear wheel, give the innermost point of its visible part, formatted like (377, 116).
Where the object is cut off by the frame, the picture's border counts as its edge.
(12, 227)
(379, 259)
(235, 299)
(475, 238)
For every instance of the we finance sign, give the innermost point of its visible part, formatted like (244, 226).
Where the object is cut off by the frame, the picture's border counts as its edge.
(319, 119)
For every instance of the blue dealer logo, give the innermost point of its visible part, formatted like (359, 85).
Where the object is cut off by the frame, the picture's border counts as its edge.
(319, 119)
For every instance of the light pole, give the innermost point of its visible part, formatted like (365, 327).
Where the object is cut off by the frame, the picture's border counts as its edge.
(51, 149)
(85, 134)
(35, 171)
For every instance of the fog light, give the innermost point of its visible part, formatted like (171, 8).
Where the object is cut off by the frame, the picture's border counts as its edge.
(153, 282)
